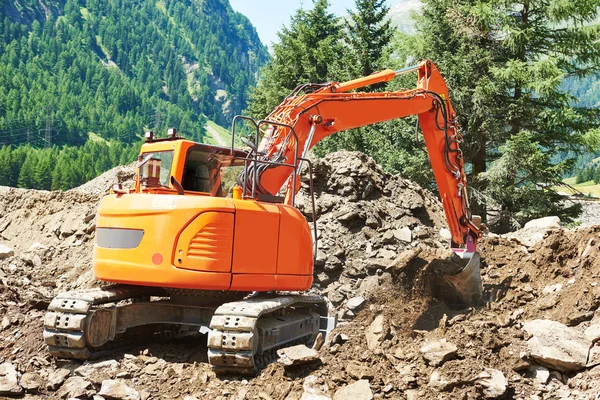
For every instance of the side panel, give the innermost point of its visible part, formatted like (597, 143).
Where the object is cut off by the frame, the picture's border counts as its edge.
(295, 255)
(206, 244)
(162, 218)
(256, 238)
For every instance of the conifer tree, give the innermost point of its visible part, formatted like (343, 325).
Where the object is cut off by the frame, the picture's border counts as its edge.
(308, 52)
(505, 62)
(368, 33)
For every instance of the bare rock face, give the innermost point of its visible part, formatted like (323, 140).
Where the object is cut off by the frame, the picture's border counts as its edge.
(359, 390)
(557, 346)
(438, 352)
(9, 381)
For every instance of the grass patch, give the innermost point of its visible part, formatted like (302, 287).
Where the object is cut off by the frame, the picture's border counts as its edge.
(587, 188)
(96, 138)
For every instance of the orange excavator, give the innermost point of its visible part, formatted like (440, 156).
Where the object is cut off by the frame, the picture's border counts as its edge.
(210, 237)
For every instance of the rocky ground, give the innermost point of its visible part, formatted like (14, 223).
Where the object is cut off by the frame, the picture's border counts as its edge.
(534, 338)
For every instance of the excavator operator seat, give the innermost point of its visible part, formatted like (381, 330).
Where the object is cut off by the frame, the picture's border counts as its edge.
(211, 170)
(196, 174)
(197, 178)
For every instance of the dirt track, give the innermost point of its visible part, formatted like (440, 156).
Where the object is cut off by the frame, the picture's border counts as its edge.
(398, 342)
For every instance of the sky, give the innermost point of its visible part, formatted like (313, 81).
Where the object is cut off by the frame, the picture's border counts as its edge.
(268, 16)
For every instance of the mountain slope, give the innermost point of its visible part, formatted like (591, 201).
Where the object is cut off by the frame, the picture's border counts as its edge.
(118, 67)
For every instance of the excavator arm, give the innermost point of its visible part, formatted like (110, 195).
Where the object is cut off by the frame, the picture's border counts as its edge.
(301, 121)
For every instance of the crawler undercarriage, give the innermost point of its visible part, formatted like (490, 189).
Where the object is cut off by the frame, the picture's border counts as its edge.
(245, 331)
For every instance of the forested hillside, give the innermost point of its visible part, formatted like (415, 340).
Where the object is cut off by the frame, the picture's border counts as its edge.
(75, 69)
(117, 67)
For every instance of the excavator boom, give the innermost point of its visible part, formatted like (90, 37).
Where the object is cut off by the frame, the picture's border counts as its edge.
(302, 120)
(333, 108)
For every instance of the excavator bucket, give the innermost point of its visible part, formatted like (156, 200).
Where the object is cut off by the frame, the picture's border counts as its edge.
(467, 282)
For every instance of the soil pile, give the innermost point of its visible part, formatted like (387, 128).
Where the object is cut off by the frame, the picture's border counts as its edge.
(365, 218)
(101, 185)
(535, 338)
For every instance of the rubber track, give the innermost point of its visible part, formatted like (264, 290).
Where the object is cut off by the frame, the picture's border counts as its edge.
(66, 321)
(231, 340)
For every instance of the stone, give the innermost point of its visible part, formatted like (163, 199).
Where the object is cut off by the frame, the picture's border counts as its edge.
(319, 341)
(557, 346)
(5, 323)
(315, 388)
(155, 368)
(539, 373)
(114, 389)
(359, 371)
(412, 394)
(543, 223)
(439, 381)
(445, 233)
(76, 386)
(376, 332)
(359, 390)
(438, 352)
(31, 381)
(6, 252)
(355, 303)
(403, 234)
(321, 258)
(493, 382)
(388, 237)
(296, 355)
(552, 288)
(577, 318)
(9, 380)
(87, 369)
(56, 378)
(37, 247)
(592, 333)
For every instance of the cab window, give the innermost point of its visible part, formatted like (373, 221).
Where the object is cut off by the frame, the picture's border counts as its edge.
(155, 170)
(210, 172)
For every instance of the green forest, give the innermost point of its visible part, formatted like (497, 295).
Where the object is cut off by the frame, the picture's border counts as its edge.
(115, 69)
(522, 77)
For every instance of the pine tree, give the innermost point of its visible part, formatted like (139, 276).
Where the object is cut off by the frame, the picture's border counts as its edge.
(27, 172)
(369, 33)
(308, 52)
(505, 63)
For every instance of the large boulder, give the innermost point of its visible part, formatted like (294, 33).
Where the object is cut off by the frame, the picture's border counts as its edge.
(9, 381)
(557, 346)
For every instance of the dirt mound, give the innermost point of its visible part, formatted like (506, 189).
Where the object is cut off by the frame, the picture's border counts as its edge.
(365, 218)
(377, 235)
(101, 185)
